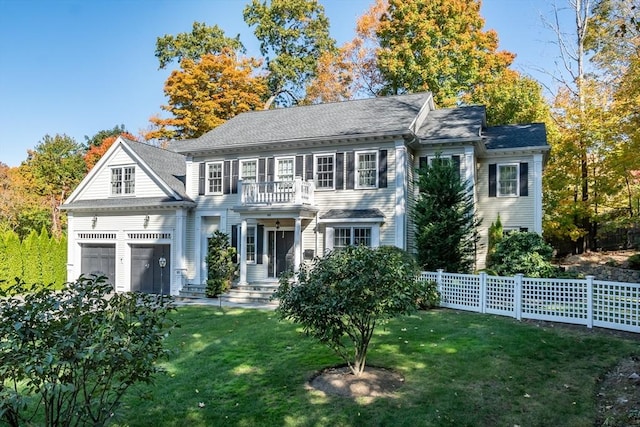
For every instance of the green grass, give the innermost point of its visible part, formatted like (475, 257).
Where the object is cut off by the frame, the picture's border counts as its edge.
(246, 368)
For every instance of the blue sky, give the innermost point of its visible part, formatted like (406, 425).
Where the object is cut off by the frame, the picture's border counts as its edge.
(76, 67)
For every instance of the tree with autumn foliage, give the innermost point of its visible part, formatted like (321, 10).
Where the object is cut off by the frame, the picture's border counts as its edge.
(95, 152)
(56, 167)
(511, 98)
(293, 35)
(204, 94)
(439, 46)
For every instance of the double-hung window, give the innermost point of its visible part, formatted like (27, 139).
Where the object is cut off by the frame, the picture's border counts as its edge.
(325, 169)
(508, 182)
(249, 170)
(251, 244)
(284, 169)
(123, 180)
(214, 178)
(351, 236)
(367, 169)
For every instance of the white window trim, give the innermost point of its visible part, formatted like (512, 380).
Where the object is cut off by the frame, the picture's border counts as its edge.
(330, 233)
(122, 168)
(254, 228)
(241, 162)
(498, 167)
(357, 170)
(315, 171)
(207, 186)
(276, 177)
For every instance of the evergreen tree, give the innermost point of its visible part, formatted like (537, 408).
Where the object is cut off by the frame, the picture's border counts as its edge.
(446, 226)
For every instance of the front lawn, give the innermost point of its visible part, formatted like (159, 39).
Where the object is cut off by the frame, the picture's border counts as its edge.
(242, 367)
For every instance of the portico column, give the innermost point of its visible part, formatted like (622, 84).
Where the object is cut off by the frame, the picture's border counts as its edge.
(297, 247)
(243, 252)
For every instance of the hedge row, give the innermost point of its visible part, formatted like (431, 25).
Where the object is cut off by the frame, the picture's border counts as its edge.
(38, 258)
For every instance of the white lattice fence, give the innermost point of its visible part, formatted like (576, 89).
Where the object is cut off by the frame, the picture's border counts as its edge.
(615, 305)
(589, 302)
(555, 300)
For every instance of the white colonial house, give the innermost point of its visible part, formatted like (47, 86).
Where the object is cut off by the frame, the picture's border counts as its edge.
(289, 184)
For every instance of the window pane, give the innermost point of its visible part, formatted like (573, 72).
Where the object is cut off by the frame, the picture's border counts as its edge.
(129, 180)
(251, 244)
(215, 177)
(248, 171)
(116, 181)
(362, 236)
(324, 172)
(508, 180)
(341, 237)
(285, 170)
(367, 170)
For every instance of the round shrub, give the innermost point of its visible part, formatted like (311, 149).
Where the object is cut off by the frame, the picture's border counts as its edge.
(523, 252)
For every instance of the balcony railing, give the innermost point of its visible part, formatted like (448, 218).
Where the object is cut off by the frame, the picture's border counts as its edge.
(296, 192)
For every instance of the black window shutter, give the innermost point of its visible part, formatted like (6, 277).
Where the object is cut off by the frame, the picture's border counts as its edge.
(234, 176)
(309, 167)
(226, 177)
(456, 164)
(259, 243)
(234, 242)
(262, 170)
(339, 171)
(299, 166)
(201, 179)
(350, 170)
(382, 169)
(524, 179)
(493, 180)
(270, 165)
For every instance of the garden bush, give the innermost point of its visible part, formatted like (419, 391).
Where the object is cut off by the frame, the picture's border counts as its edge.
(634, 262)
(67, 357)
(523, 252)
(220, 265)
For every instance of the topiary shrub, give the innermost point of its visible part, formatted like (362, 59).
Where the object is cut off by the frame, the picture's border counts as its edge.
(523, 252)
(220, 265)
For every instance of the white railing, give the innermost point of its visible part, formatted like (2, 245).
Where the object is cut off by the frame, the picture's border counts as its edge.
(589, 302)
(297, 192)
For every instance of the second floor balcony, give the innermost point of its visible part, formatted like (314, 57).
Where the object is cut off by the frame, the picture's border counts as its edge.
(296, 192)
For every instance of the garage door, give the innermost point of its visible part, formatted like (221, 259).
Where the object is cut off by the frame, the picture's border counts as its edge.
(99, 260)
(147, 274)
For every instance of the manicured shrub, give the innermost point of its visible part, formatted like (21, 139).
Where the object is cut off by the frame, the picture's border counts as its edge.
(220, 265)
(67, 357)
(523, 252)
(340, 298)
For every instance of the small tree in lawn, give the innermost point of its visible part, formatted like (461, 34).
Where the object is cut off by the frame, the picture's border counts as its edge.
(446, 226)
(220, 265)
(341, 298)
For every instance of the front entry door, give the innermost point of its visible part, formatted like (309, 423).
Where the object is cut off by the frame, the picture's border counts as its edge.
(280, 252)
(146, 273)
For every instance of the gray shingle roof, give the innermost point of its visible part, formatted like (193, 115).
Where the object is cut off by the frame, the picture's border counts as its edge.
(515, 136)
(453, 123)
(384, 115)
(168, 165)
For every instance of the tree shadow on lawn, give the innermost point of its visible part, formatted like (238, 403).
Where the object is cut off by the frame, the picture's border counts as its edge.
(245, 367)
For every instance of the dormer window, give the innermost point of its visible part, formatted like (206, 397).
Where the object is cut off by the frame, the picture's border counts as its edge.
(123, 180)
